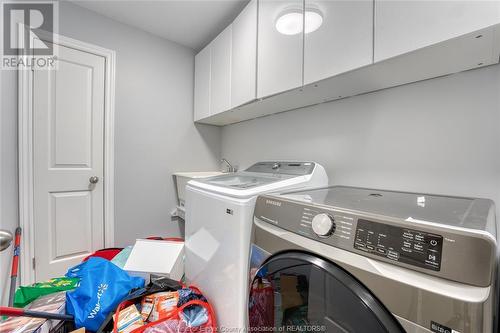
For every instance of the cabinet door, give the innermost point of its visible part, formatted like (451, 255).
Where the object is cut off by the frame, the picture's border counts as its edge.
(343, 41)
(220, 73)
(404, 26)
(244, 56)
(279, 60)
(202, 84)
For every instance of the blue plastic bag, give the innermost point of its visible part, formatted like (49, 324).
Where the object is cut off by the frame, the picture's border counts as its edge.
(102, 287)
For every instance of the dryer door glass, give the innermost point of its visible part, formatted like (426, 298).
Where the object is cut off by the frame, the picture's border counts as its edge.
(300, 292)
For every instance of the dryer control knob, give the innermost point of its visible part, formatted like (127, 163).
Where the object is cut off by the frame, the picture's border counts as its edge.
(323, 225)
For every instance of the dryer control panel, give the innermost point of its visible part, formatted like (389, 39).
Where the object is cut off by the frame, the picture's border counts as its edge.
(396, 228)
(405, 245)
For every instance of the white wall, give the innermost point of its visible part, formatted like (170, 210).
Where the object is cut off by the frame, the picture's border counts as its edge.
(437, 136)
(155, 134)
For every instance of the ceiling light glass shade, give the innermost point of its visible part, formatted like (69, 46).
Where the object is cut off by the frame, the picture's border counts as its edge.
(313, 21)
(290, 22)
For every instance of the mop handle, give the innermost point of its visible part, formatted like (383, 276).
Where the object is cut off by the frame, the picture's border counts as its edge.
(15, 265)
(16, 312)
(17, 249)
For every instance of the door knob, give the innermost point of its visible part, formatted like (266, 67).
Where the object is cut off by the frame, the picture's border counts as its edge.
(5, 239)
(93, 180)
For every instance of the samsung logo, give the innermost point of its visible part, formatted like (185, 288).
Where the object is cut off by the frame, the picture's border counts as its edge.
(274, 203)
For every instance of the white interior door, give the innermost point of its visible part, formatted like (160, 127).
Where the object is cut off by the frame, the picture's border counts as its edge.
(68, 139)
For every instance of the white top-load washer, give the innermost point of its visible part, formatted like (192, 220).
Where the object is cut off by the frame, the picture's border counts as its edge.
(219, 216)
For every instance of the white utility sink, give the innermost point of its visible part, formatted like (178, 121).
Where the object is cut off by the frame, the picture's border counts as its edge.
(182, 178)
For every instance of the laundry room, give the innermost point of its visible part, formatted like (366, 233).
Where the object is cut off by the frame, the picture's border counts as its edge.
(250, 165)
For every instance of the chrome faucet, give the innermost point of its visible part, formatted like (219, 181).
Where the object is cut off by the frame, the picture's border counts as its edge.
(230, 168)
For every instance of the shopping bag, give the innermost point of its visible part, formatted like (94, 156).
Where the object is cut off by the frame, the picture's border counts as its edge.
(193, 314)
(102, 287)
(261, 305)
(27, 294)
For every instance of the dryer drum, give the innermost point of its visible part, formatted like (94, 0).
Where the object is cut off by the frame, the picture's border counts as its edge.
(299, 291)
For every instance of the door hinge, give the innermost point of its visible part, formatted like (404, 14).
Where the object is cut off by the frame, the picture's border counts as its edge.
(34, 263)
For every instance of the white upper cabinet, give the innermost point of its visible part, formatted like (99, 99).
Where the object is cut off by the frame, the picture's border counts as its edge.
(338, 37)
(202, 84)
(244, 56)
(280, 46)
(404, 26)
(220, 72)
(257, 64)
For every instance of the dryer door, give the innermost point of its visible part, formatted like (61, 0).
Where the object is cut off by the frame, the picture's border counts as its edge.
(300, 292)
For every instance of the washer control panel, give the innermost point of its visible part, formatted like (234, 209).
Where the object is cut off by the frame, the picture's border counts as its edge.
(404, 245)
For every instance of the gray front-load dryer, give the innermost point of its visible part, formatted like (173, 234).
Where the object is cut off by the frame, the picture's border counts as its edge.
(345, 259)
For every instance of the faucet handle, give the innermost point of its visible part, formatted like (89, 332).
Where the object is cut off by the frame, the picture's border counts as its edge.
(230, 167)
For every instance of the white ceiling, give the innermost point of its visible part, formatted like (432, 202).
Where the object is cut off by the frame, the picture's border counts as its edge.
(192, 23)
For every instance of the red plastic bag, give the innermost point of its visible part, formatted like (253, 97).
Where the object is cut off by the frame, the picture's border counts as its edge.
(175, 323)
(261, 304)
(108, 253)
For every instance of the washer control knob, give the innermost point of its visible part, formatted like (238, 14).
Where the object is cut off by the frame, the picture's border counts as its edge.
(323, 225)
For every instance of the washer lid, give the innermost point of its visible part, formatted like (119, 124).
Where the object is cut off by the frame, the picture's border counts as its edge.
(243, 180)
(262, 177)
(261, 173)
(299, 292)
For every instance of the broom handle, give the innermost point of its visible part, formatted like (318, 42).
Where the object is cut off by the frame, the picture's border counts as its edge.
(15, 265)
(16, 312)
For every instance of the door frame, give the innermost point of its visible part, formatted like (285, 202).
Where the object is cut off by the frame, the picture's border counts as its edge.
(25, 152)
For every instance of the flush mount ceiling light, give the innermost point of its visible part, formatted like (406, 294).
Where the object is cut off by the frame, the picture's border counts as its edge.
(290, 22)
(313, 20)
